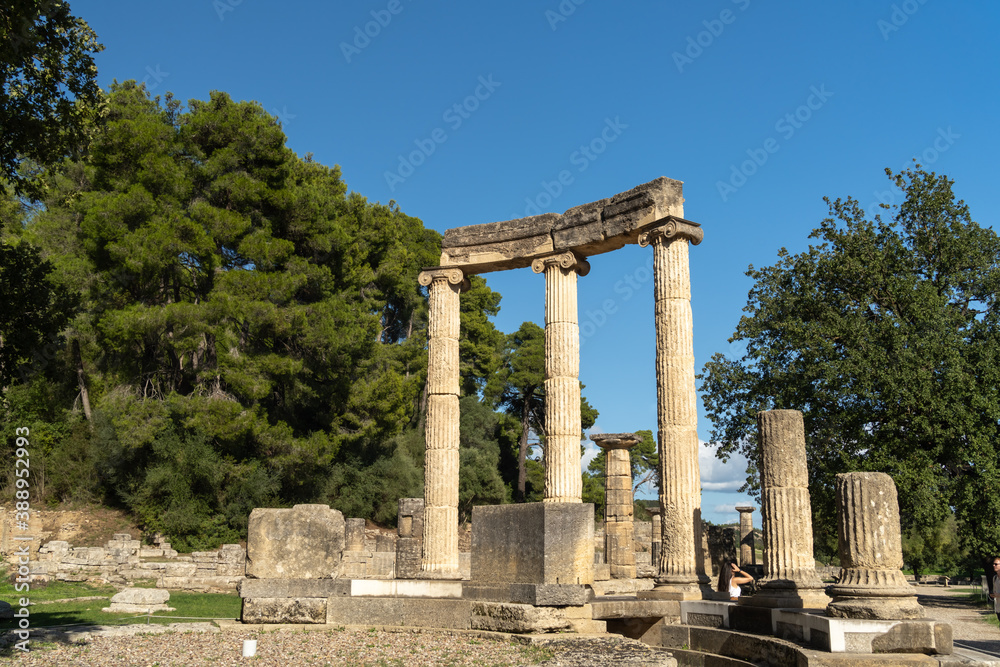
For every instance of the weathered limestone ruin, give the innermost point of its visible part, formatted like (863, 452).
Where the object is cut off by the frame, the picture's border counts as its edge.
(657, 536)
(557, 246)
(677, 411)
(871, 583)
(748, 554)
(537, 567)
(790, 578)
(563, 483)
(619, 533)
(440, 555)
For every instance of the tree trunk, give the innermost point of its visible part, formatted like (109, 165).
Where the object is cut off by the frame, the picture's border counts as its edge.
(522, 454)
(81, 379)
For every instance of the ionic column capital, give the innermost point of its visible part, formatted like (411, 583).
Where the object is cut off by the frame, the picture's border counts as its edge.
(564, 260)
(673, 228)
(453, 275)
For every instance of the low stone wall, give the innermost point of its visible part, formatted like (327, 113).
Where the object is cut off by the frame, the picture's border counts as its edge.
(123, 560)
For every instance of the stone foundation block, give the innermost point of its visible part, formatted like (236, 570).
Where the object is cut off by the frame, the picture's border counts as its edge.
(294, 588)
(517, 618)
(408, 612)
(549, 595)
(284, 610)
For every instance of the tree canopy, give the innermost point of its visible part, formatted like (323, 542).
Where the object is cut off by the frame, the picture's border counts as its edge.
(48, 85)
(249, 332)
(885, 335)
(225, 327)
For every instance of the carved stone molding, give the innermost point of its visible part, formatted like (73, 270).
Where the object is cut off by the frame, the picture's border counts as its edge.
(454, 276)
(615, 440)
(673, 228)
(564, 260)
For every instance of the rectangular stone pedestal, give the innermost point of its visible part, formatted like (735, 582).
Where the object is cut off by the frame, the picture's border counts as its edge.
(539, 554)
(533, 543)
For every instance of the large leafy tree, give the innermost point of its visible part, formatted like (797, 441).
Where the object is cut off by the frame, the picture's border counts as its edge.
(48, 85)
(518, 389)
(236, 300)
(34, 312)
(885, 335)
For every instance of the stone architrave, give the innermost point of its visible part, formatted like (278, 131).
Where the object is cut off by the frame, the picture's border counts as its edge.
(563, 479)
(677, 414)
(790, 578)
(748, 555)
(657, 537)
(440, 555)
(872, 585)
(619, 529)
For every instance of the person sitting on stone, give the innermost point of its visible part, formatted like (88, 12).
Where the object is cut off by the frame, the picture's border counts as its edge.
(730, 579)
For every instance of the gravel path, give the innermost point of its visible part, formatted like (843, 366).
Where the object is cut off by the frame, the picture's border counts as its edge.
(283, 648)
(204, 644)
(968, 624)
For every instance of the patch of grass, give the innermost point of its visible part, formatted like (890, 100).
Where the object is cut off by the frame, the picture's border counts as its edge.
(196, 605)
(533, 654)
(53, 590)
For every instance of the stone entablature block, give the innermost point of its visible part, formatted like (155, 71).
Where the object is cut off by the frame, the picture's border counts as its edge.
(590, 229)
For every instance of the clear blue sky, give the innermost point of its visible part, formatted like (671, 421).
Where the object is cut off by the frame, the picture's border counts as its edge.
(823, 96)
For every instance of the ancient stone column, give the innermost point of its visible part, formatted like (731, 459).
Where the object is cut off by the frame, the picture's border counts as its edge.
(657, 530)
(563, 479)
(440, 547)
(871, 585)
(619, 529)
(677, 413)
(748, 555)
(790, 578)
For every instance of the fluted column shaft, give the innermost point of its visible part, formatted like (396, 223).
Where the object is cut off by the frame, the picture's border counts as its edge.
(563, 479)
(748, 554)
(440, 544)
(677, 415)
(789, 567)
(657, 537)
(871, 583)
